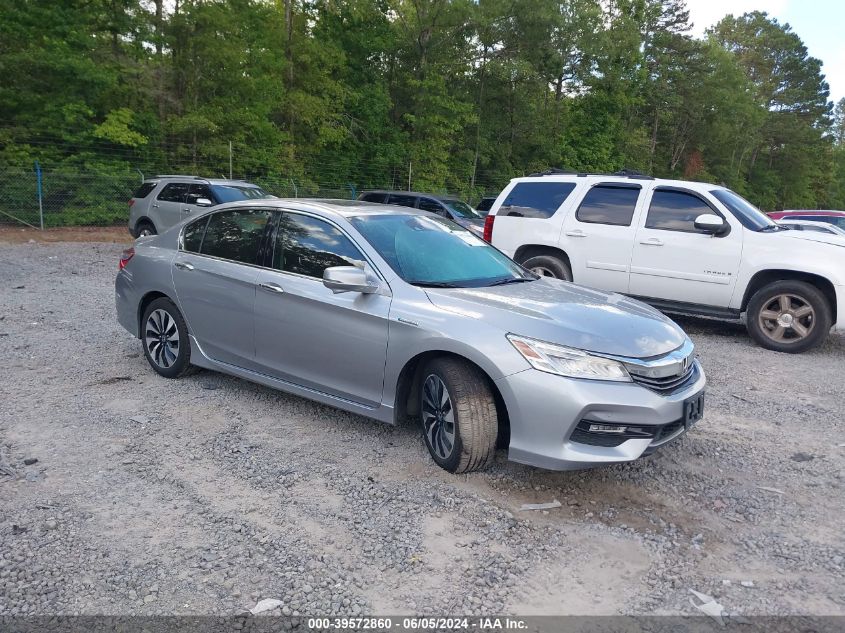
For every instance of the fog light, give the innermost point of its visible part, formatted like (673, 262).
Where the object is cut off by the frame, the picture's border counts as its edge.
(607, 428)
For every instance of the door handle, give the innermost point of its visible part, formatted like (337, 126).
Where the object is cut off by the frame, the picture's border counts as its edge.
(184, 265)
(155, 205)
(652, 241)
(576, 233)
(186, 210)
(271, 287)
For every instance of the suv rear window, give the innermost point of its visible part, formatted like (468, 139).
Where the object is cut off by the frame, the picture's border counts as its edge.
(609, 204)
(535, 199)
(144, 190)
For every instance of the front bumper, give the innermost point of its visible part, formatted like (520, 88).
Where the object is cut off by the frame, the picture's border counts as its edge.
(544, 411)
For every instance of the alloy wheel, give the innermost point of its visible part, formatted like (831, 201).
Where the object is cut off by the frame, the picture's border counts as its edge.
(438, 416)
(543, 271)
(162, 338)
(145, 232)
(787, 318)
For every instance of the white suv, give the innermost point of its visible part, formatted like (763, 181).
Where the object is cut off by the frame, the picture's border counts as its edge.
(684, 247)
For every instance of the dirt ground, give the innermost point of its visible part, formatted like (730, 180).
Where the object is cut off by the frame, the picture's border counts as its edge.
(23, 235)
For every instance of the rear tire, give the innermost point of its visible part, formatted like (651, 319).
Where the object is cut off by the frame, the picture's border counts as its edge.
(548, 266)
(458, 415)
(789, 316)
(164, 336)
(145, 227)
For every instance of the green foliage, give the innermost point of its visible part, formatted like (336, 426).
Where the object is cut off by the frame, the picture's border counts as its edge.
(327, 97)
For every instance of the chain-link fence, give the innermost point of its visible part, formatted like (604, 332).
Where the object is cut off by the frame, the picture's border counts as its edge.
(98, 195)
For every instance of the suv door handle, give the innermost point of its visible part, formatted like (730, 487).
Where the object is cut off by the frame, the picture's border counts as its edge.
(576, 233)
(652, 241)
(184, 265)
(271, 287)
(186, 210)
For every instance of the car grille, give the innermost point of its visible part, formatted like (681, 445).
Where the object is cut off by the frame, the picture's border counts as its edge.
(668, 384)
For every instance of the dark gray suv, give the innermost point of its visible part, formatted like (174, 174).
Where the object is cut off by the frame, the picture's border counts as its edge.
(163, 201)
(448, 207)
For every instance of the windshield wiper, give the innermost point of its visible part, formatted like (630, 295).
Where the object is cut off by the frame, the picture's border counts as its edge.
(509, 280)
(434, 284)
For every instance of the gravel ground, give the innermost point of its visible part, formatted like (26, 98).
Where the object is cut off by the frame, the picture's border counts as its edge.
(204, 495)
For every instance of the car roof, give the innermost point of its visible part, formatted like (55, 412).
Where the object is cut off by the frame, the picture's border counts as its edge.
(200, 179)
(436, 196)
(326, 206)
(629, 179)
(818, 212)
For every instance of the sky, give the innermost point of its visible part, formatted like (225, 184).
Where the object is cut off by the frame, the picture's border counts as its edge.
(819, 23)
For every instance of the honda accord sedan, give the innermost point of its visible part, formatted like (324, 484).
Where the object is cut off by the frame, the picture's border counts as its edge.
(398, 314)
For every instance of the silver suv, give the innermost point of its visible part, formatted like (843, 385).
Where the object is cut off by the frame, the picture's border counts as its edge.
(163, 201)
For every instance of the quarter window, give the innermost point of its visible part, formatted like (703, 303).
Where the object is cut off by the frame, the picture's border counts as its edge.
(235, 235)
(675, 211)
(144, 190)
(535, 199)
(307, 246)
(193, 234)
(174, 192)
(608, 204)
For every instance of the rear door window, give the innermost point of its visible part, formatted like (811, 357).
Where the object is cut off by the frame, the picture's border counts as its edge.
(307, 246)
(174, 192)
(675, 211)
(609, 204)
(402, 200)
(235, 235)
(144, 190)
(535, 199)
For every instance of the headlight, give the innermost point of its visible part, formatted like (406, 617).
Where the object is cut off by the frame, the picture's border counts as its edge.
(566, 361)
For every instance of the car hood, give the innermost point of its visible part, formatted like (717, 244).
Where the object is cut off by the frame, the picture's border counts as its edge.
(811, 236)
(567, 314)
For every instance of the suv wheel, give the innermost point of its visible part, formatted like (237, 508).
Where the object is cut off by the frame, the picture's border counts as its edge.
(548, 266)
(789, 316)
(145, 228)
(458, 414)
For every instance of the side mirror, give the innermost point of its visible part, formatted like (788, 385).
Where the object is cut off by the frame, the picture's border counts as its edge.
(203, 202)
(711, 223)
(348, 279)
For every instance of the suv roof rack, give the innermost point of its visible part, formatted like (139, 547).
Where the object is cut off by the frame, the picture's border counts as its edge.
(180, 176)
(622, 173)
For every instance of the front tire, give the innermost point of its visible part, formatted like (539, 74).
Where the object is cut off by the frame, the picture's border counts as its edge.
(548, 266)
(164, 336)
(789, 316)
(458, 415)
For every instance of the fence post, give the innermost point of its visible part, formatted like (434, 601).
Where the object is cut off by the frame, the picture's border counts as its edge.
(230, 160)
(352, 190)
(40, 194)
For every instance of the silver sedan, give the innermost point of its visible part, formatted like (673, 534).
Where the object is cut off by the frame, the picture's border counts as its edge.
(394, 314)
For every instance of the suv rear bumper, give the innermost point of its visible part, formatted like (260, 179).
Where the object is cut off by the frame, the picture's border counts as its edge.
(545, 410)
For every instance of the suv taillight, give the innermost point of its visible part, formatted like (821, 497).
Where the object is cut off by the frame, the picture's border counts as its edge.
(488, 228)
(125, 256)
(131, 202)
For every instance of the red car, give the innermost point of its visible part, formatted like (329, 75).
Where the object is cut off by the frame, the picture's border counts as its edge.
(832, 217)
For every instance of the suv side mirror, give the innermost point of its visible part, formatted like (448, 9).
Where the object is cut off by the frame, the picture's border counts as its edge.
(712, 224)
(203, 202)
(348, 279)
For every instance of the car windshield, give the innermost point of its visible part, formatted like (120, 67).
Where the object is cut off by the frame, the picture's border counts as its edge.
(430, 251)
(233, 193)
(461, 209)
(750, 216)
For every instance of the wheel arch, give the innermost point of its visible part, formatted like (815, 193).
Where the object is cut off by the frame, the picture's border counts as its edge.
(146, 300)
(765, 277)
(409, 381)
(526, 251)
(145, 219)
